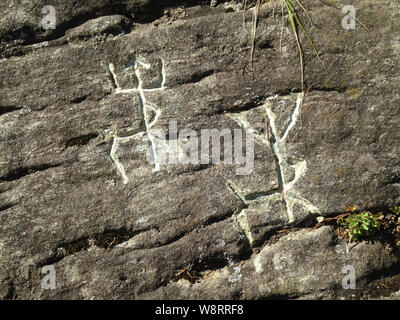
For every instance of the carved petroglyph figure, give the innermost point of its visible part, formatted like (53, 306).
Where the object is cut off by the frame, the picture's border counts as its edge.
(289, 171)
(149, 113)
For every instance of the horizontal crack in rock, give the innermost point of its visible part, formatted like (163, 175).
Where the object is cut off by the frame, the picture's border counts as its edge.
(107, 239)
(81, 140)
(25, 171)
(8, 109)
(7, 206)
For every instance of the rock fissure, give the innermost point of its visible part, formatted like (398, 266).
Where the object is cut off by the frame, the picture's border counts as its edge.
(7, 206)
(107, 239)
(8, 109)
(21, 172)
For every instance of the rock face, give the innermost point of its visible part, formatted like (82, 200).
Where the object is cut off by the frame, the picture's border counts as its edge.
(84, 186)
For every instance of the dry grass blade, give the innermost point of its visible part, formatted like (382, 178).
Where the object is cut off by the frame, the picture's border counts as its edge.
(333, 5)
(295, 23)
(292, 15)
(253, 30)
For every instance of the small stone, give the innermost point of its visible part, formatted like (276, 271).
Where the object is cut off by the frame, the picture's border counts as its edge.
(320, 219)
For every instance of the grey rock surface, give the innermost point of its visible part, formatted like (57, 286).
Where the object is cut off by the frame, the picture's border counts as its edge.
(78, 114)
(299, 264)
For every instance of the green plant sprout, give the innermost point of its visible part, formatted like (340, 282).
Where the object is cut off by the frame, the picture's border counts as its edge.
(395, 210)
(360, 225)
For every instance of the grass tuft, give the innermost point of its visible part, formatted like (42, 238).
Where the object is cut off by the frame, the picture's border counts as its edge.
(361, 225)
(291, 7)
